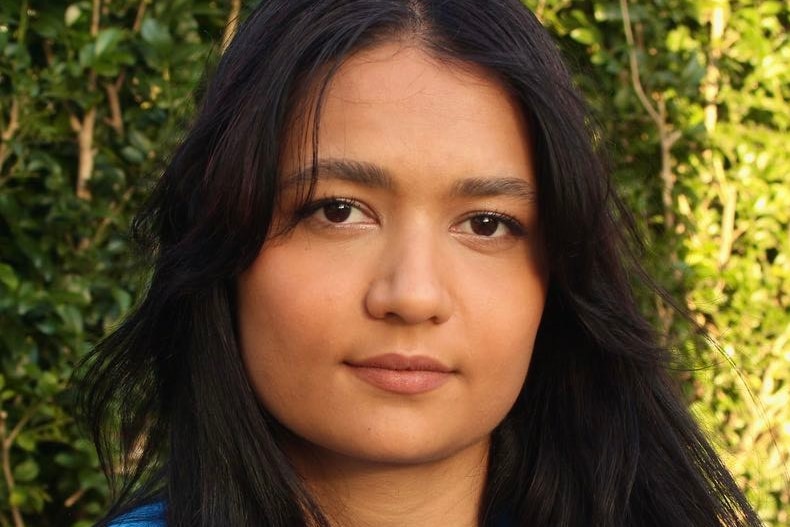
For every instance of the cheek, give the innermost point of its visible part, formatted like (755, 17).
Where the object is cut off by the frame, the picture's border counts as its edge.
(295, 312)
(501, 368)
(287, 295)
(501, 320)
(279, 320)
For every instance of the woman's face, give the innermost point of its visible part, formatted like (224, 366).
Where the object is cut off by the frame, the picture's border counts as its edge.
(396, 322)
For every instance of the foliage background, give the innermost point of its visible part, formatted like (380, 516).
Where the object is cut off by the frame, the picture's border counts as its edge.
(692, 96)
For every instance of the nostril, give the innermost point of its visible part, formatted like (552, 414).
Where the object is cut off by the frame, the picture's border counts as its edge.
(410, 305)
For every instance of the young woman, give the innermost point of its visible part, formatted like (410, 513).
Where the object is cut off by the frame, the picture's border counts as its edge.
(391, 288)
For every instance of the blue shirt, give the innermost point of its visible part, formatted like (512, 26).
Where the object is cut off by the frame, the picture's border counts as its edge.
(146, 516)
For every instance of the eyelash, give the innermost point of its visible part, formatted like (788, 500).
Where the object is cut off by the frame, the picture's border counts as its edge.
(312, 207)
(512, 224)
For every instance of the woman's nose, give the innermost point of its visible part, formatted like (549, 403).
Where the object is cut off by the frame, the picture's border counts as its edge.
(409, 284)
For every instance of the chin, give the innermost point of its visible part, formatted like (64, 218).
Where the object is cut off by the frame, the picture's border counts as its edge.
(397, 448)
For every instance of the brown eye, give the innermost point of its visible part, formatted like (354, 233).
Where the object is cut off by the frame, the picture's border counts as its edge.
(484, 225)
(337, 211)
(492, 225)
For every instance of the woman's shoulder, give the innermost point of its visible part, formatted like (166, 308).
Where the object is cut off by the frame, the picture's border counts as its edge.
(151, 515)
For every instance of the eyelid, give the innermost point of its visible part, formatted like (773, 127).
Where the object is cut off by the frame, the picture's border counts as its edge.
(515, 227)
(311, 207)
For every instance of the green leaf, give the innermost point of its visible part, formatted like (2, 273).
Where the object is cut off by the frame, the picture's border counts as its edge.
(122, 298)
(47, 326)
(26, 471)
(68, 460)
(156, 34)
(72, 14)
(140, 141)
(26, 441)
(584, 35)
(86, 55)
(107, 40)
(48, 382)
(8, 277)
(71, 317)
(18, 497)
(48, 25)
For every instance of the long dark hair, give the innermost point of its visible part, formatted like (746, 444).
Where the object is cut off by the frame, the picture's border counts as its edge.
(599, 435)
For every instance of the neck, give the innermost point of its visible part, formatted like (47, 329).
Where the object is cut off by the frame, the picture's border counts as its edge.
(355, 493)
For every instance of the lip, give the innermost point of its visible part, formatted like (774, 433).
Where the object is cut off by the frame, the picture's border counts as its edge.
(401, 374)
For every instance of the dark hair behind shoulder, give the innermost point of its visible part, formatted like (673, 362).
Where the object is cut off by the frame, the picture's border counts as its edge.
(599, 435)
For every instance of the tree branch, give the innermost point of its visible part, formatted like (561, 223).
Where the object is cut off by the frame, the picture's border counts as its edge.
(634, 64)
(86, 127)
(106, 221)
(667, 139)
(86, 153)
(712, 73)
(74, 498)
(667, 136)
(232, 24)
(16, 514)
(539, 10)
(710, 91)
(113, 90)
(113, 98)
(95, 18)
(13, 121)
(727, 224)
(8, 440)
(9, 131)
(138, 19)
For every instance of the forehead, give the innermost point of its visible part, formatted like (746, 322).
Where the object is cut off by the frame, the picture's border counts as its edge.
(403, 73)
(398, 107)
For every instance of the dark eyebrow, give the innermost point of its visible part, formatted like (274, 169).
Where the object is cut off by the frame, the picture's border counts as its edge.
(359, 172)
(372, 175)
(478, 187)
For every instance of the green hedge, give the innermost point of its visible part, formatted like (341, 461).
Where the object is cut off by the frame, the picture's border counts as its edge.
(93, 94)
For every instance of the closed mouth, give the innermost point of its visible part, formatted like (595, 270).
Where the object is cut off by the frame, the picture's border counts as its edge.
(398, 362)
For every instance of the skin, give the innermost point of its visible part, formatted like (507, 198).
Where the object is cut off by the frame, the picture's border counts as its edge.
(401, 269)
